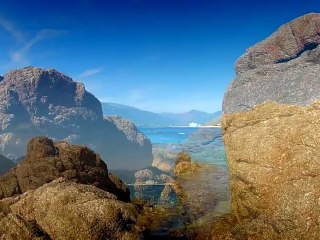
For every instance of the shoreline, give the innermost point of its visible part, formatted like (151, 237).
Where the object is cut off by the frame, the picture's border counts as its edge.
(213, 126)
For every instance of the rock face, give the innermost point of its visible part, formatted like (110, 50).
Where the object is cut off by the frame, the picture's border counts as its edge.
(46, 161)
(66, 210)
(154, 174)
(273, 156)
(163, 159)
(273, 148)
(41, 102)
(130, 130)
(284, 68)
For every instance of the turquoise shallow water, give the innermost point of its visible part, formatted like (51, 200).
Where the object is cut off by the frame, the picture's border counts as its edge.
(203, 144)
(169, 135)
(208, 192)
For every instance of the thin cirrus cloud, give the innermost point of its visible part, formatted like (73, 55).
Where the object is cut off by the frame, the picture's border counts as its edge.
(9, 27)
(20, 56)
(90, 72)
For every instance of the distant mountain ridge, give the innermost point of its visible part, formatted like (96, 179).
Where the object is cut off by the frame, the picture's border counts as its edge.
(150, 119)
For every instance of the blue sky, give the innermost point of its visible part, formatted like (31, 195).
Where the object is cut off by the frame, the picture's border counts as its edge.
(158, 55)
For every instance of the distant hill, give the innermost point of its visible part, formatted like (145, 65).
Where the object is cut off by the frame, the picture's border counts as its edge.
(5, 164)
(151, 119)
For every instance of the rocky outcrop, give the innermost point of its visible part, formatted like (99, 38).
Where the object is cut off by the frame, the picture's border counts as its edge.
(67, 210)
(46, 161)
(163, 159)
(36, 102)
(273, 148)
(284, 68)
(152, 174)
(130, 130)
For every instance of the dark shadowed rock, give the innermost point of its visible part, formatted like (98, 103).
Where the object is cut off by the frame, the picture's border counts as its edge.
(67, 210)
(283, 68)
(46, 161)
(41, 102)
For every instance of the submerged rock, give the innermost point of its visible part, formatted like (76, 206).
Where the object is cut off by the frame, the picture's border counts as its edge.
(273, 148)
(41, 102)
(200, 189)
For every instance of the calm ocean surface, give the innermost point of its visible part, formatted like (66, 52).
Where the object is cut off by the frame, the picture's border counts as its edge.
(203, 144)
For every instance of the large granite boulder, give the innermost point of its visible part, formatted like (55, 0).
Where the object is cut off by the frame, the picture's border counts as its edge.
(284, 68)
(271, 132)
(67, 210)
(46, 161)
(36, 102)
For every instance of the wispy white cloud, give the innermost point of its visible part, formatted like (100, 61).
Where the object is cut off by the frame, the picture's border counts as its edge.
(20, 56)
(90, 72)
(9, 27)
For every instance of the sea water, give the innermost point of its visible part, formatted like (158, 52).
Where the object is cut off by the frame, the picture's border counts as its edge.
(203, 144)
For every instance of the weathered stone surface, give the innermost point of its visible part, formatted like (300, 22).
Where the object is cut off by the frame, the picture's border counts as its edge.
(153, 174)
(41, 102)
(46, 161)
(66, 210)
(283, 68)
(129, 129)
(271, 130)
(163, 159)
(273, 154)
